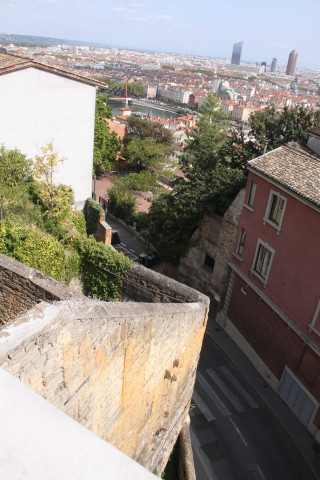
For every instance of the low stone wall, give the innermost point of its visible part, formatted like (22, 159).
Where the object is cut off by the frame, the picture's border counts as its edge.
(125, 371)
(144, 285)
(21, 287)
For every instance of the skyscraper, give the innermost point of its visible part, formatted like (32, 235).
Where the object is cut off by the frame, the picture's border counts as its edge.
(273, 65)
(292, 61)
(236, 53)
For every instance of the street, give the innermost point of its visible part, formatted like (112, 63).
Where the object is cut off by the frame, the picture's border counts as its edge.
(234, 436)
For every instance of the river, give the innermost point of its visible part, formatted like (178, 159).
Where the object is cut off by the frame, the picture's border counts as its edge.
(116, 104)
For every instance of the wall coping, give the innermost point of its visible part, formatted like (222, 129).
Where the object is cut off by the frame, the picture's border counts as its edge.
(47, 443)
(38, 278)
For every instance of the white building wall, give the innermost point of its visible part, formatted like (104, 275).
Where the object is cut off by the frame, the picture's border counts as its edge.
(37, 107)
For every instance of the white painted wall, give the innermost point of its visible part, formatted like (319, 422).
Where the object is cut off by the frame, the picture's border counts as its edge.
(37, 107)
(39, 442)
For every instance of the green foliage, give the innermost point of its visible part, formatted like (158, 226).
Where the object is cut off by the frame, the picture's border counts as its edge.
(144, 152)
(174, 217)
(171, 471)
(15, 168)
(143, 181)
(168, 67)
(122, 203)
(146, 143)
(93, 211)
(269, 130)
(79, 221)
(141, 129)
(106, 144)
(133, 89)
(98, 282)
(209, 185)
(207, 138)
(34, 248)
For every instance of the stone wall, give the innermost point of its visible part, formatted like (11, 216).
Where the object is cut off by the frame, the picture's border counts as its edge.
(125, 371)
(21, 287)
(215, 238)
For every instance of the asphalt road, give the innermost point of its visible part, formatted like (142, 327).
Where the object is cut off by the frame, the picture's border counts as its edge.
(234, 436)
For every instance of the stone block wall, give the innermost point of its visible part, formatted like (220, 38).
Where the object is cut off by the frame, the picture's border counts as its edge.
(216, 237)
(21, 287)
(125, 371)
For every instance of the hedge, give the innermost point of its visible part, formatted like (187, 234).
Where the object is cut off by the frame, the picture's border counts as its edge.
(97, 259)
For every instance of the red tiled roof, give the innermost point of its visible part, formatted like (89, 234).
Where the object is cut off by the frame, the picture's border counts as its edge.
(11, 63)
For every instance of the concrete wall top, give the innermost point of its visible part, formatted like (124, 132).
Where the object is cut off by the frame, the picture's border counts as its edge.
(40, 441)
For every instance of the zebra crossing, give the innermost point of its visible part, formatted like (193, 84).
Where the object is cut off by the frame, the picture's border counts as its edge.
(226, 393)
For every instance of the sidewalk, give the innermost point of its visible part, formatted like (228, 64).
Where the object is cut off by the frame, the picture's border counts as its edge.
(288, 424)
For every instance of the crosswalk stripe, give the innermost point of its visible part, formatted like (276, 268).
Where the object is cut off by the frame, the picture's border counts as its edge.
(203, 407)
(239, 387)
(227, 392)
(209, 390)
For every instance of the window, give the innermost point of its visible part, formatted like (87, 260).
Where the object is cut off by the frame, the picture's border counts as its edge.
(251, 195)
(208, 263)
(275, 210)
(262, 261)
(242, 239)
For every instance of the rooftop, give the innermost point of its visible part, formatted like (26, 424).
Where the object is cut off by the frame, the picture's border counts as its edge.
(10, 63)
(294, 167)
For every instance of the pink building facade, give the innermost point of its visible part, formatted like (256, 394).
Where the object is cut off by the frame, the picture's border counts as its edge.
(272, 302)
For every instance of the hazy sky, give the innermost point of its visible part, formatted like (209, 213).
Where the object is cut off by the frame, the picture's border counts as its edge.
(206, 27)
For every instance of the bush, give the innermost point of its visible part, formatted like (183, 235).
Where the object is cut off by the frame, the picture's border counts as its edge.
(122, 203)
(142, 181)
(34, 248)
(97, 281)
(79, 221)
(93, 211)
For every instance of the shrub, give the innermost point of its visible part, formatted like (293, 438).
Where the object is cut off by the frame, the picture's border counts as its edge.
(93, 211)
(96, 258)
(122, 203)
(34, 248)
(79, 221)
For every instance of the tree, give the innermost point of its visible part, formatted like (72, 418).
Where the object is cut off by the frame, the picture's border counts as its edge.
(269, 130)
(139, 128)
(106, 144)
(209, 185)
(45, 167)
(145, 152)
(206, 139)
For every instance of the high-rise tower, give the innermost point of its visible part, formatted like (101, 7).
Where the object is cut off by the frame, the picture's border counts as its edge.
(236, 53)
(292, 61)
(273, 65)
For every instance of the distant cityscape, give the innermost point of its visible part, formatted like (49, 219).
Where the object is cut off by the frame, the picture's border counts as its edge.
(188, 79)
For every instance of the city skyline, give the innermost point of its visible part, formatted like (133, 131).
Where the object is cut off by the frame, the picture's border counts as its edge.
(176, 27)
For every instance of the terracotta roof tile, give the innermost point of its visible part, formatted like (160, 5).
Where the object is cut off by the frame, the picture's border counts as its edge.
(294, 167)
(10, 63)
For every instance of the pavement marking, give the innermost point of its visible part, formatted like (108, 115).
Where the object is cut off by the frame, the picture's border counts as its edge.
(217, 401)
(203, 407)
(231, 397)
(203, 459)
(243, 392)
(238, 431)
(260, 472)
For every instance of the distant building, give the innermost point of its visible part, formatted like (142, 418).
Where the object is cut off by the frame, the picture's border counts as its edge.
(273, 65)
(215, 84)
(292, 62)
(149, 91)
(236, 53)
